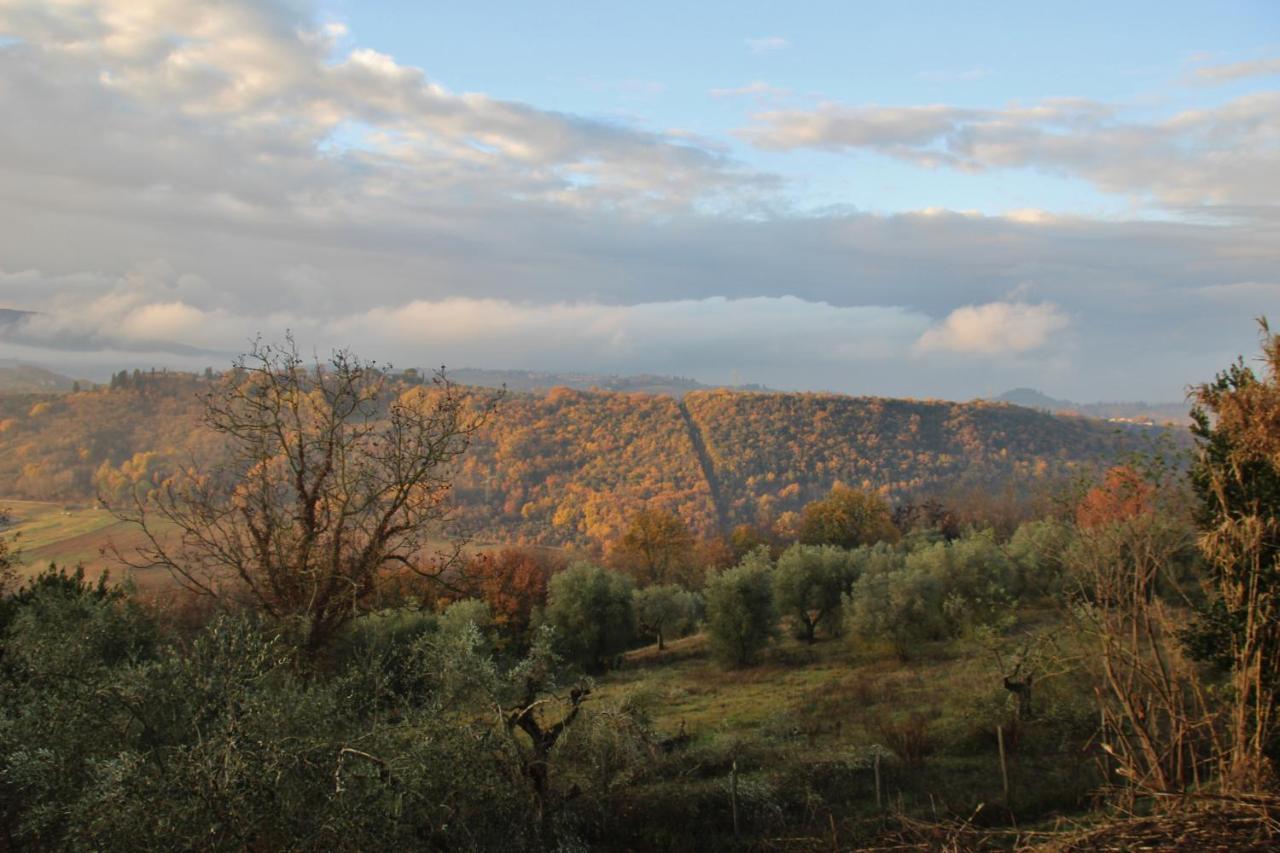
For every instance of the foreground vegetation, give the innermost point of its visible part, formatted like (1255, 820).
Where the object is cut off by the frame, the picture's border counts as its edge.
(842, 681)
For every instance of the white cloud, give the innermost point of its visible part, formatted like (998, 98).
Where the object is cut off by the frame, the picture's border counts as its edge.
(1222, 155)
(715, 333)
(952, 76)
(1256, 295)
(996, 328)
(755, 89)
(768, 44)
(242, 99)
(1239, 70)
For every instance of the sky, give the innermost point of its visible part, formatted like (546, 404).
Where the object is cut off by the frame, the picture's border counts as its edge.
(906, 199)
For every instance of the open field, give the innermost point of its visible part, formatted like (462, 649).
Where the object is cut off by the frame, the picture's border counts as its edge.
(808, 721)
(71, 535)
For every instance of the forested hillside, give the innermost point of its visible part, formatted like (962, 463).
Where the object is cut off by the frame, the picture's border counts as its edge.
(573, 466)
(19, 378)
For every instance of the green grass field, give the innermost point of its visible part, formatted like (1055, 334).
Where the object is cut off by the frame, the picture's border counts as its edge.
(804, 726)
(70, 535)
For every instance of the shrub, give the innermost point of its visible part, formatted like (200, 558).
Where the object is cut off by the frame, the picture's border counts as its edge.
(807, 584)
(848, 518)
(903, 607)
(907, 738)
(662, 611)
(740, 612)
(591, 611)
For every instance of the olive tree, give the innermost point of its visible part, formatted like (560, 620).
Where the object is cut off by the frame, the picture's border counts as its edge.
(590, 609)
(330, 476)
(807, 584)
(904, 607)
(663, 610)
(469, 614)
(741, 618)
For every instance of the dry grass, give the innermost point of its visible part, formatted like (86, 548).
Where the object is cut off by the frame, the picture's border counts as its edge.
(1183, 823)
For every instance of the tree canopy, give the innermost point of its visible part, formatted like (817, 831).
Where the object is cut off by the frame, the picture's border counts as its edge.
(328, 479)
(848, 518)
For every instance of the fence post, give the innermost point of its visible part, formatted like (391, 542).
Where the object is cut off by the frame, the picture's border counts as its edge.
(879, 805)
(1004, 768)
(733, 795)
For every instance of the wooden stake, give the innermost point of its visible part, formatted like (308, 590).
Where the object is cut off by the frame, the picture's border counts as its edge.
(1102, 739)
(879, 807)
(733, 795)
(1004, 768)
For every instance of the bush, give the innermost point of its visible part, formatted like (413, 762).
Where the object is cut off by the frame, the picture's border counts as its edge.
(907, 738)
(848, 518)
(663, 611)
(462, 615)
(740, 612)
(591, 611)
(807, 584)
(904, 607)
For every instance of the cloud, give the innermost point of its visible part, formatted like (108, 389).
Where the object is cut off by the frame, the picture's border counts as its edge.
(175, 177)
(1245, 294)
(832, 302)
(768, 44)
(755, 89)
(1221, 156)
(710, 334)
(244, 102)
(953, 76)
(996, 328)
(1238, 70)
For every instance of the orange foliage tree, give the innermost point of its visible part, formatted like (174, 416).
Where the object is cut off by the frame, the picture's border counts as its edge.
(513, 582)
(1124, 494)
(656, 549)
(847, 518)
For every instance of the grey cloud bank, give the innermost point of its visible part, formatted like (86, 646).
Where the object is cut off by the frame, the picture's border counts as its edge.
(177, 177)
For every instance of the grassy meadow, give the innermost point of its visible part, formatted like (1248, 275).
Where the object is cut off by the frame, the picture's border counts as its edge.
(805, 726)
(75, 535)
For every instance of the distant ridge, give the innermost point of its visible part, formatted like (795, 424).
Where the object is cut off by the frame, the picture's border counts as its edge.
(19, 378)
(535, 380)
(569, 466)
(1139, 412)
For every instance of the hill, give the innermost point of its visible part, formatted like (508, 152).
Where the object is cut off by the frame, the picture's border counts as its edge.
(1139, 412)
(541, 381)
(19, 378)
(571, 467)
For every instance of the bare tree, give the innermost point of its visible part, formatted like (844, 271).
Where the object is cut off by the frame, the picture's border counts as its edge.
(332, 475)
